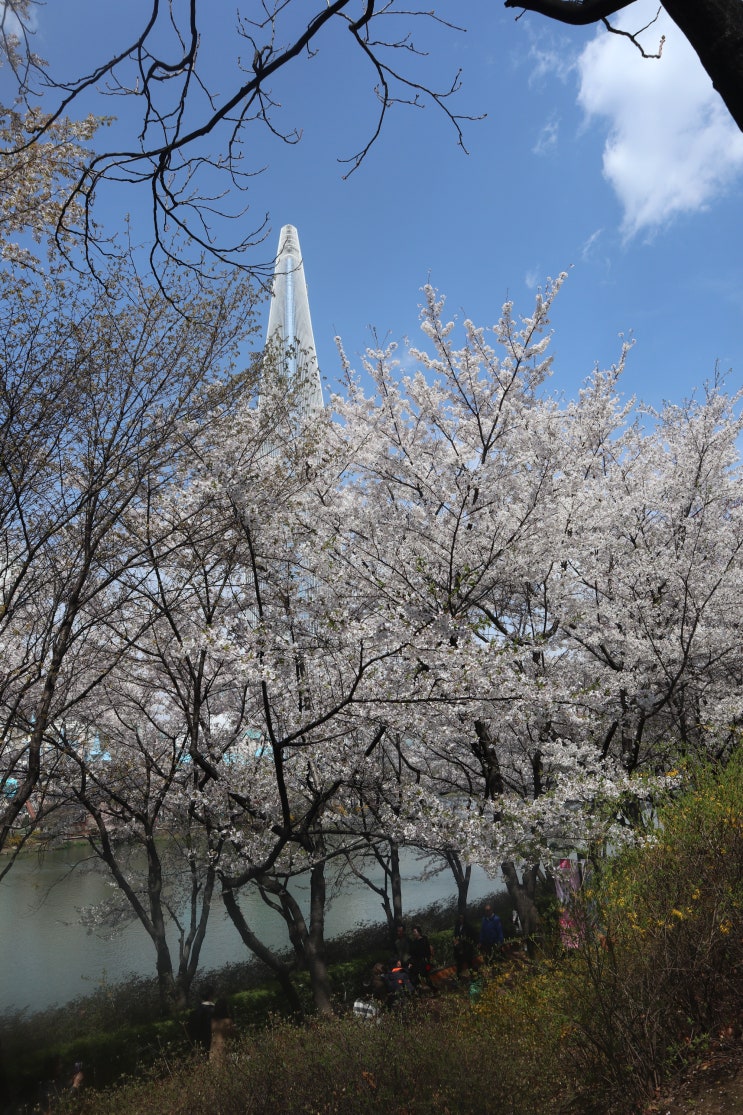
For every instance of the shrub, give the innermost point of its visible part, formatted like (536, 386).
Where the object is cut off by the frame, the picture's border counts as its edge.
(661, 969)
(432, 1058)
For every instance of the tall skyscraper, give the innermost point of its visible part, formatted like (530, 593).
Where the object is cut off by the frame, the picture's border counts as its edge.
(289, 338)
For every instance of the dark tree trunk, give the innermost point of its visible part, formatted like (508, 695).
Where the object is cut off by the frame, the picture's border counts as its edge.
(315, 943)
(174, 983)
(150, 915)
(395, 884)
(390, 892)
(487, 753)
(462, 876)
(523, 894)
(156, 928)
(249, 939)
(715, 30)
(308, 942)
(190, 944)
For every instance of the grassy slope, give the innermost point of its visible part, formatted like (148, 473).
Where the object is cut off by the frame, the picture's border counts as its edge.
(655, 988)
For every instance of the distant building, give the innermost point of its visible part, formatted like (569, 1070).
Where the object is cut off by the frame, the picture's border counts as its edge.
(291, 363)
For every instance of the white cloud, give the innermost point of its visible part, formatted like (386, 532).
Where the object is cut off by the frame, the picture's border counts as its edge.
(547, 138)
(672, 146)
(550, 58)
(590, 245)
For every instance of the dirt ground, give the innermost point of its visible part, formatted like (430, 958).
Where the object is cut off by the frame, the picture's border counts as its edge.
(712, 1087)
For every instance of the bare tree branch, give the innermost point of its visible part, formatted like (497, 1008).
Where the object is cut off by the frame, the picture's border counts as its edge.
(632, 36)
(188, 146)
(162, 66)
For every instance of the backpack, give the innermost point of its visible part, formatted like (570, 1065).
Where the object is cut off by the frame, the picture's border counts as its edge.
(398, 983)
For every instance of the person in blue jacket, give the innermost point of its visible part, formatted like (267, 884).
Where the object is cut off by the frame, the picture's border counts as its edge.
(491, 932)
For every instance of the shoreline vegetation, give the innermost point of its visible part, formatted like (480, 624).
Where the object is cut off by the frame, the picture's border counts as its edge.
(653, 987)
(92, 1024)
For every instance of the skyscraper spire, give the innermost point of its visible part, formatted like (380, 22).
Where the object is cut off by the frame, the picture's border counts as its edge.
(289, 334)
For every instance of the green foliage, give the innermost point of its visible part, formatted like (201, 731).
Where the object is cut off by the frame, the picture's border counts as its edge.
(522, 1018)
(661, 968)
(437, 1058)
(658, 976)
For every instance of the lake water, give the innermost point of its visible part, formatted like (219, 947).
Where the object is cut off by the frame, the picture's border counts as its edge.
(47, 957)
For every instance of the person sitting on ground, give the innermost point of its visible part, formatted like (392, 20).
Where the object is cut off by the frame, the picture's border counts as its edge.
(377, 983)
(465, 939)
(397, 982)
(421, 958)
(363, 1008)
(491, 933)
(222, 1028)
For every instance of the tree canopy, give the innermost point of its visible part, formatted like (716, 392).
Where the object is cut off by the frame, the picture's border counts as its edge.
(454, 614)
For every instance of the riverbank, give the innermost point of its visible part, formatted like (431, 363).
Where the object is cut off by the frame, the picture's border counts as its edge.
(117, 1031)
(508, 1049)
(41, 904)
(644, 994)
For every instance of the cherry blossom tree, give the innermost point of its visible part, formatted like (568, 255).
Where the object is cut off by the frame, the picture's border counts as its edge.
(231, 722)
(460, 615)
(98, 388)
(314, 653)
(169, 716)
(35, 178)
(657, 568)
(133, 784)
(484, 498)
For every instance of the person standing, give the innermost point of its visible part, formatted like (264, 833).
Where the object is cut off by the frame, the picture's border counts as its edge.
(398, 984)
(465, 938)
(421, 957)
(78, 1079)
(491, 933)
(200, 1021)
(401, 945)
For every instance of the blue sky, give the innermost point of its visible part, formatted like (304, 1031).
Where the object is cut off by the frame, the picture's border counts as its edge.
(628, 173)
